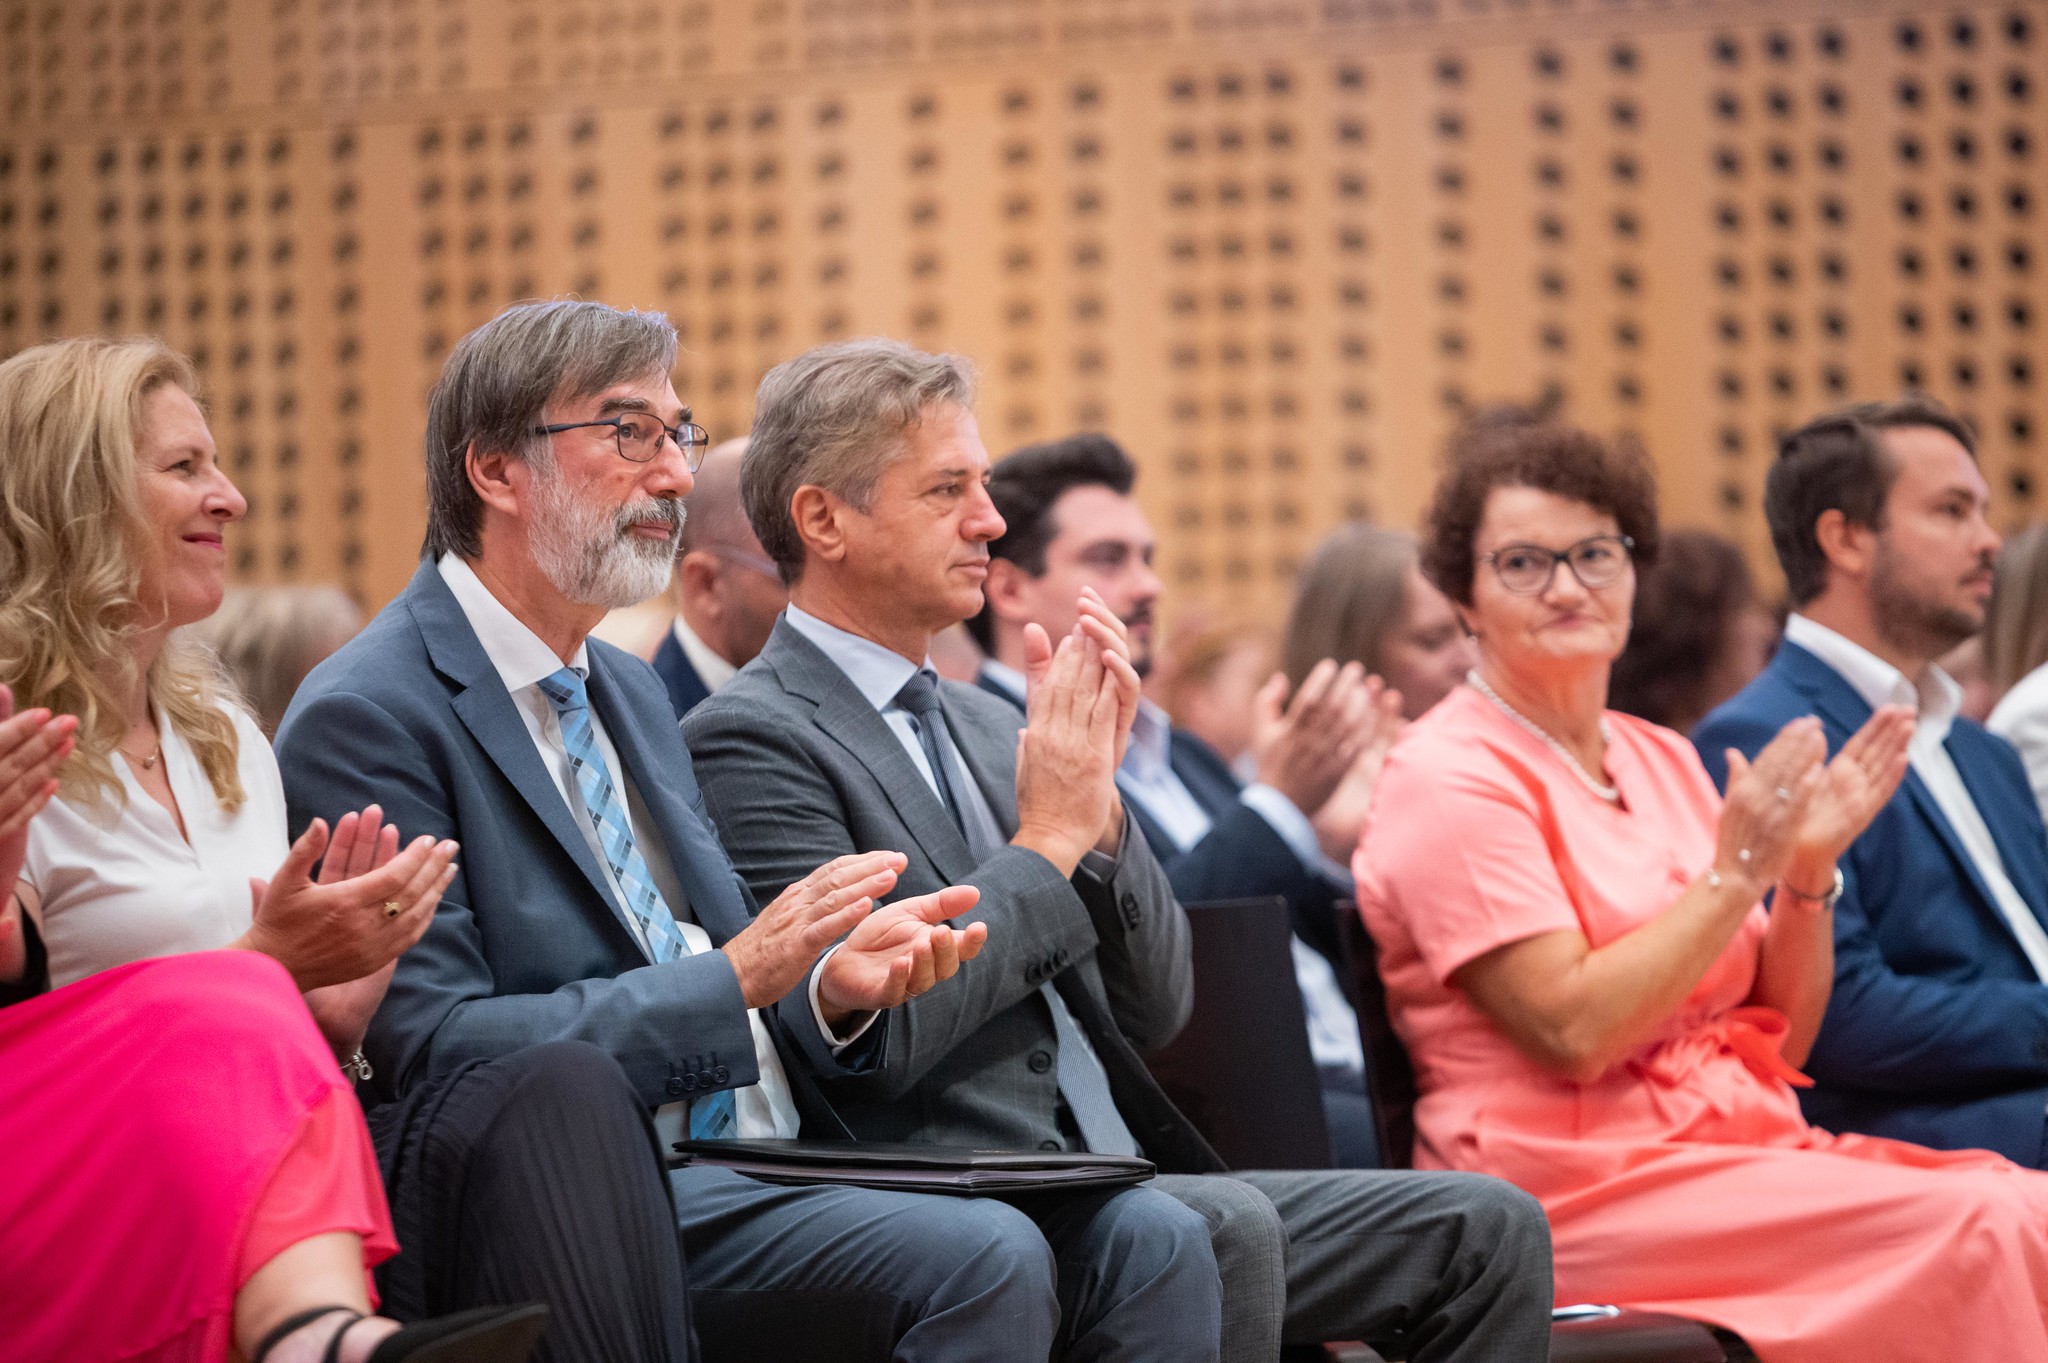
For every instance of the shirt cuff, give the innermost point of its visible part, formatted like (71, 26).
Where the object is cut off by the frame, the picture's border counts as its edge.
(837, 1042)
(1286, 819)
(1101, 865)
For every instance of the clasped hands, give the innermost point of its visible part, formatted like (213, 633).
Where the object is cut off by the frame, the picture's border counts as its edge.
(1791, 813)
(1080, 699)
(1323, 748)
(891, 954)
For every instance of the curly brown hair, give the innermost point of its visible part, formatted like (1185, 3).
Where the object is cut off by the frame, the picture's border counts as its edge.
(1514, 449)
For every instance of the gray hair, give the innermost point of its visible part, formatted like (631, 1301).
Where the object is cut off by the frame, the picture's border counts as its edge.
(501, 377)
(834, 417)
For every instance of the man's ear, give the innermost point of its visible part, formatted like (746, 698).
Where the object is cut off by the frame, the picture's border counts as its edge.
(499, 479)
(697, 578)
(1849, 547)
(1004, 589)
(819, 517)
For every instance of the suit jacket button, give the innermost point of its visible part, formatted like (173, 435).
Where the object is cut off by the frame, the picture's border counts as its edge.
(1033, 973)
(706, 1078)
(677, 1088)
(1130, 902)
(721, 1075)
(1048, 1145)
(1040, 1062)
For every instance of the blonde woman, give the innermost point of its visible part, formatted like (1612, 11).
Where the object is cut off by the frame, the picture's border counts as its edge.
(2015, 641)
(199, 1180)
(1362, 598)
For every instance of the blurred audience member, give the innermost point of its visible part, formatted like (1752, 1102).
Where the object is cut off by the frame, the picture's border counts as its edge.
(2015, 643)
(1599, 1006)
(1208, 681)
(1934, 1030)
(1698, 634)
(269, 638)
(1361, 598)
(727, 591)
(1965, 666)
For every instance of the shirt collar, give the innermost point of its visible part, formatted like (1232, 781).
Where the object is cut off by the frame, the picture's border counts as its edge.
(1005, 676)
(514, 650)
(1936, 700)
(712, 669)
(876, 672)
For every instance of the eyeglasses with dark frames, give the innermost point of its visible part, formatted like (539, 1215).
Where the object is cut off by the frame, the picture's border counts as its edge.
(639, 436)
(1528, 569)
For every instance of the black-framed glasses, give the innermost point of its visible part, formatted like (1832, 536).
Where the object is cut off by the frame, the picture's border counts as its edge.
(1528, 569)
(639, 436)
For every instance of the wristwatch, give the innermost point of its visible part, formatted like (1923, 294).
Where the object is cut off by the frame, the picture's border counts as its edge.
(357, 1068)
(1826, 901)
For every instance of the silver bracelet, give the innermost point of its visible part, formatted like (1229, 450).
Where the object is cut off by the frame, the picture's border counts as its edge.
(1826, 901)
(357, 1068)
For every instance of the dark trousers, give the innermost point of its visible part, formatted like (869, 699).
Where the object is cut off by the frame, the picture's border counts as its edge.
(536, 1178)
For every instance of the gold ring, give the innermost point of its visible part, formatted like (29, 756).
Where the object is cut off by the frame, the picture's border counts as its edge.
(392, 908)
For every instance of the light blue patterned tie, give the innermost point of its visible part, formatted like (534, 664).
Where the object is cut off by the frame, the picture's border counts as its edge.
(710, 1117)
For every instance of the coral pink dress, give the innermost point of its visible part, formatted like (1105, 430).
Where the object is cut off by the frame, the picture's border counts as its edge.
(1685, 1178)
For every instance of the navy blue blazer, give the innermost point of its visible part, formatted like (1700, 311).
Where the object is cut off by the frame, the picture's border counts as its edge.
(529, 944)
(672, 665)
(1937, 1031)
(1241, 857)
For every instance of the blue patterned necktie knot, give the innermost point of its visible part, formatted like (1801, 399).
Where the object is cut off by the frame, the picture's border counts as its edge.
(714, 1115)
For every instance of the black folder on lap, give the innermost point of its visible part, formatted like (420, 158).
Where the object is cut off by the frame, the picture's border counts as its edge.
(916, 1168)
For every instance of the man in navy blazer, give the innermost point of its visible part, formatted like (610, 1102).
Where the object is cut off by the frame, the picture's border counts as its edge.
(594, 900)
(1072, 523)
(727, 592)
(1937, 1031)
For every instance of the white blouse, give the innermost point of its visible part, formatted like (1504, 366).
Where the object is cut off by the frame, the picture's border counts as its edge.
(118, 883)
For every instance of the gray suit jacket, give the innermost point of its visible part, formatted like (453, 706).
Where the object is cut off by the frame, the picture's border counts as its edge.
(529, 944)
(798, 768)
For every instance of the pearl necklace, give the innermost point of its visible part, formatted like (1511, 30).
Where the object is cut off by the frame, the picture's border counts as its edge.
(1608, 793)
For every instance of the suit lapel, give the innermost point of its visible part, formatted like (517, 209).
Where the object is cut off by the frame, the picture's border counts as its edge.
(654, 757)
(486, 709)
(846, 717)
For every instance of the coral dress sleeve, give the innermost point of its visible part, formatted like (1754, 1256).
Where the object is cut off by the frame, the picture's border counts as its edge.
(1463, 858)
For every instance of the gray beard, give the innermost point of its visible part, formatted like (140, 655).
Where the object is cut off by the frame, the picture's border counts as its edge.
(591, 557)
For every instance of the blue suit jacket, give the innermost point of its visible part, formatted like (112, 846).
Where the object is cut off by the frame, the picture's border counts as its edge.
(528, 944)
(672, 665)
(1937, 1031)
(1241, 857)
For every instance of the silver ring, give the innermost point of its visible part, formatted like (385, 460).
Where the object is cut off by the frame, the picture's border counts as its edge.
(1784, 794)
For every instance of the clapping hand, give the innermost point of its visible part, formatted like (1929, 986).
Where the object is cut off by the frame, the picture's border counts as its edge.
(1852, 788)
(33, 745)
(900, 951)
(772, 954)
(367, 905)
(1766, 804)
(1067, 754)
(1340, 823)
(1305, 747)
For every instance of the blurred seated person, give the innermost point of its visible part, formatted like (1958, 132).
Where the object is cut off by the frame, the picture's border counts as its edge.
(1208, 681)
(1937, 1031)
(1071, 523)
(2015, 653)
(727, 593)
(1698, 634)
(204, 1179)
(269, 638)
(1362, 598)
(1599, 1006)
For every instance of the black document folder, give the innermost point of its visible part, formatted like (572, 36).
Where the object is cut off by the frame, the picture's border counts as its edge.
(916, 1168)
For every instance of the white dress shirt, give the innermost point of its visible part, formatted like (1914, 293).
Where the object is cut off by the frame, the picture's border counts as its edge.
(1147, 779)
(711, 669)
(765, 1108)
(1935, 700)
(119, 883)
(2022, 720)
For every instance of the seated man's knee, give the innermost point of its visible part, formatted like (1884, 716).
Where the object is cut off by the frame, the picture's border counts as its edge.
(1149, 1233)
(1242, 1221)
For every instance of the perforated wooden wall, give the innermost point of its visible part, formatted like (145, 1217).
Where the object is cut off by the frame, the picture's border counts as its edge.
(1273, 246)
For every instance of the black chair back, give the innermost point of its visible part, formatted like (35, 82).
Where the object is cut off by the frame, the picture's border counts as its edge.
(1389, 1077)
(1241, 1069)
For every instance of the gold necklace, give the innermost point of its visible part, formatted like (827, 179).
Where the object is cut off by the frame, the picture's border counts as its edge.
(149, 761)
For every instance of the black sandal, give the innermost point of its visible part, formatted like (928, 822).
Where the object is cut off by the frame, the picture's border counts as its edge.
(487, 1334)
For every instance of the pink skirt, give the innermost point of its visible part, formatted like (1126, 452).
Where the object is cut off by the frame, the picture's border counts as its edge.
(166, 1127)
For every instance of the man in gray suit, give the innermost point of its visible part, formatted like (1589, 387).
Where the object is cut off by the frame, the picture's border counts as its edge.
(865, 481)
(594, 901)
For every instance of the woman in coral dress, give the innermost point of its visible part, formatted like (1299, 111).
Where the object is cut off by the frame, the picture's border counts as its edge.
(1599, 1007)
